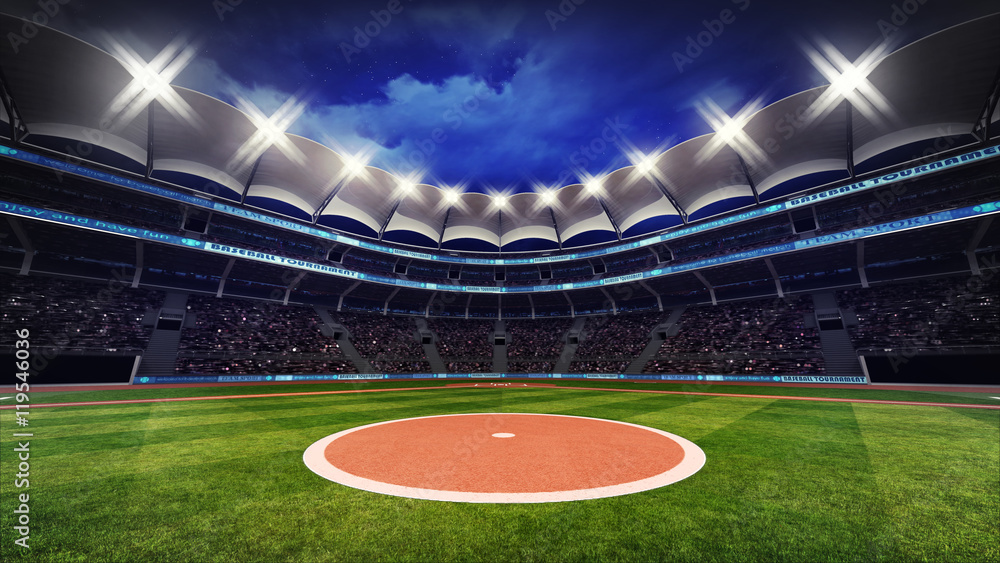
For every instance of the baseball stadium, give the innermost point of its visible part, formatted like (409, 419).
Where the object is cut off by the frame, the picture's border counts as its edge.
(229, 334)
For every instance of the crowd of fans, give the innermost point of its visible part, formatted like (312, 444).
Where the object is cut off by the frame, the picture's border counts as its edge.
(255, 326)
(463, 339)
(379, 337)
(76, 315)
(744, 326)
(536, 339)
(598, 366)
(269, 365)
(759, 337)
(470, 367)
(956, 311)
(400, 366)
(737, 364)
(531, 367)
(620, 336)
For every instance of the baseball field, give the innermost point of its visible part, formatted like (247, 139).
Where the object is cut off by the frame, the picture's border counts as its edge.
(217, 474)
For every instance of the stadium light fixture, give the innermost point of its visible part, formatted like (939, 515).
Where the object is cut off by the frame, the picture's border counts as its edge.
(593, 186)
(451, 195)
(548, 196)
(406, 186)
(643, 162)
(500, 201)
(849, 81)
(355, 164)
(270, 132)
(729, 131)
(150, 81)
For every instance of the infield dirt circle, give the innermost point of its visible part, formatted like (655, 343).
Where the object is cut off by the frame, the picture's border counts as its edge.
(504, 458)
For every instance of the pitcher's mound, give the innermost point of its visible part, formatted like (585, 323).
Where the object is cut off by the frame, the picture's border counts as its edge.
(504, 458)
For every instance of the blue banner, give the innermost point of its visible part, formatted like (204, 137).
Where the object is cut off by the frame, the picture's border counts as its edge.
(228, 250)
(220, 207)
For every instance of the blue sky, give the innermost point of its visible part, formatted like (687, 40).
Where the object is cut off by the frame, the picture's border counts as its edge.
(502, 95)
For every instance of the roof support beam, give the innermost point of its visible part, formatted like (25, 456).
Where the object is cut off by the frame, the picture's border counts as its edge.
(22, 237)
(385, 307)
(982, 128)
(138, 263)
(708, 285)
(444, 226)
(292, 285)
(326, 202)
(618, 230)
(746, 172)
(385, 224)
(849, 137)
(666, 193)
(499, 232)
(340, 301)
(149, 138)
(555, 226)
(659, 299)
(253, 172)
(17, 127)
(774, 274)
(970, 250)
(225, 274)
(861, 263)
(614, 306)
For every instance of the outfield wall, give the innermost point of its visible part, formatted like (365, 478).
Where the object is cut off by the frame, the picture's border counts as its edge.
(70, 367)
(471, 376)
(979, 369)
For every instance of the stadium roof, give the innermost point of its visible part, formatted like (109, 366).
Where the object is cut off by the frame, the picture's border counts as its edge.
(74, 98)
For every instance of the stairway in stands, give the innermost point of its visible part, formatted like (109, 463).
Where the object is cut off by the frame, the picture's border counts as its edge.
(427, 339)
(499, 350)
(572, 343)
(160, 357)
(343, 338)
(839, 354)
(656, 338)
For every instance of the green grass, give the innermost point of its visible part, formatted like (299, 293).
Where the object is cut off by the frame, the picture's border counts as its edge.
(223, 480)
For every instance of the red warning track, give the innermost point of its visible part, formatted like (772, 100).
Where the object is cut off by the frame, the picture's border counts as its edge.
(511, 457)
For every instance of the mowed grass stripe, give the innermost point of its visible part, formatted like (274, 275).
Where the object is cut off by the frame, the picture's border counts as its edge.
(930, 463)
(614, 406)
(70, 415)
(586, 405)
(187, 415)
(210, 401)
(696, 417)
(989, 418)
(79, 440)
(785, 485)
(78, 466)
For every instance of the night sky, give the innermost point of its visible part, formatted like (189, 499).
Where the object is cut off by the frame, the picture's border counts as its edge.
(502, 95)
